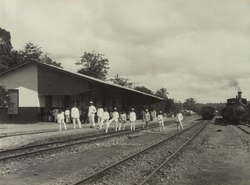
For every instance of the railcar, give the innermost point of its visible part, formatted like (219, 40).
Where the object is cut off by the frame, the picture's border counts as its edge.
(207, 112)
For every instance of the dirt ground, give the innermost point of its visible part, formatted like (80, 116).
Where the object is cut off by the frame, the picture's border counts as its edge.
(73, 163)
(219, 156)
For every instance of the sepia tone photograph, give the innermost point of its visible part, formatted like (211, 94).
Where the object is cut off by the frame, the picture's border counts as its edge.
(114, 92)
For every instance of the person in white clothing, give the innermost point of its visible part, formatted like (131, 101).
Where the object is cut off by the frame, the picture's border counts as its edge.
(132, 119)
(91, 114)
(105, 120)
(179, 118)
(147, 118)
(99, 115)
(67, 115)
(123, 119)
(75, 115)
(161, 121)
(60, 120)
(115, 118)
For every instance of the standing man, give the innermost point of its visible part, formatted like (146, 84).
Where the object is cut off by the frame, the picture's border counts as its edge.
(60, 120)
(147, 118)
(123, 119)
(115, 118)
(161, 121)
(67, 115)
(99, 114)
(75, 115)
(91, 114)
(55, 112)
(179, 118)
(143, 118)
(132, 118)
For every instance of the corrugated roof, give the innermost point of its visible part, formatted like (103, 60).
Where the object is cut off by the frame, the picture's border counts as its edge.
(79, 75)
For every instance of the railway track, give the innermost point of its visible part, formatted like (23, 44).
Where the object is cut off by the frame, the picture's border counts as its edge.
(244, 127)
(41, 148)
(11, 134)
(137, 168)
(59, 144)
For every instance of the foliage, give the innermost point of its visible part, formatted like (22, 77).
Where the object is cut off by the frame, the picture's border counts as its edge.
(33, 52)
(10, 57)
(189, 104)
(4, 98)
(169, 106)
(5, 49)
(94, 64)
(143, 89)
(162, 93)
(121, 81)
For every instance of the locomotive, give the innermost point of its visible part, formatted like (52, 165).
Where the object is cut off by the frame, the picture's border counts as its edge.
(236, 110)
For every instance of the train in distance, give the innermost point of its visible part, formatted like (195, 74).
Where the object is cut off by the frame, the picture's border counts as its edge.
(237, 110)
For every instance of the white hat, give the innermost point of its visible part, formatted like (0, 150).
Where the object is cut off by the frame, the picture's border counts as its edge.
(115, 108)
(90, 102)
(132, 108)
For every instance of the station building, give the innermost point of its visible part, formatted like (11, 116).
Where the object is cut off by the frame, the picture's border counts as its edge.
(35, 89)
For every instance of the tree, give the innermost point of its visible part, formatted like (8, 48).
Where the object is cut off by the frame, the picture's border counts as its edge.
(10, 57)
(162, 93)
(189, 104)
(121, 81)
(4, 98)
(94, 64)
(5, 49)
(33, 52)
(143, 89)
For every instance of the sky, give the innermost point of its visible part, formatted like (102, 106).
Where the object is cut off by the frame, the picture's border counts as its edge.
(195, 48)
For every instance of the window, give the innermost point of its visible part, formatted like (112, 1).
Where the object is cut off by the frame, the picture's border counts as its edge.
(14, 101)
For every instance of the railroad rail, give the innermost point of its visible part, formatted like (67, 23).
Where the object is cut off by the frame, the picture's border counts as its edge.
(11, 134)
(154, 172)
(95, 177)
(41, 148)
(244, 127)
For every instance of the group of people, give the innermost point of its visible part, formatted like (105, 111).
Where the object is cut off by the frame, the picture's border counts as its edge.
(105, 119)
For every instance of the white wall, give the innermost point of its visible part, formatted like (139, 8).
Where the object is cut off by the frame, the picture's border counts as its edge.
(25, 80)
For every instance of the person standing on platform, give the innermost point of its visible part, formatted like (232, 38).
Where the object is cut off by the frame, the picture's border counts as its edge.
(67, 115)
(161, 121)
(99, 115)
(123, 119)
(60, 120)
(105, 120)
(147, 118)
(55, 112)
(132, 118)
(179, 118)
(75, 115)
(91, 114)
(115, 118)
(143, 118)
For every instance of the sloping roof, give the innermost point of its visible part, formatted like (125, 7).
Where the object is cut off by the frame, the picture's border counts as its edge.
(89, 78)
